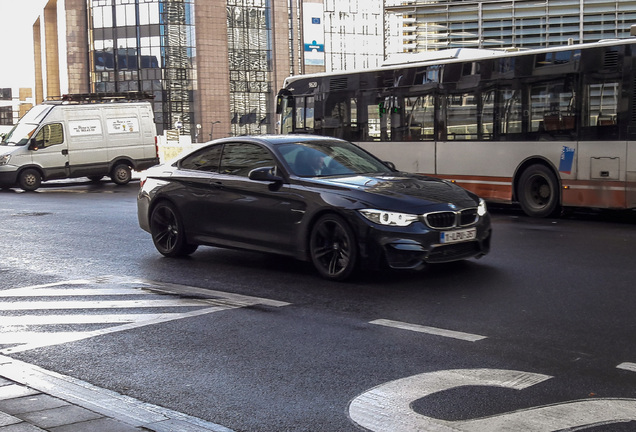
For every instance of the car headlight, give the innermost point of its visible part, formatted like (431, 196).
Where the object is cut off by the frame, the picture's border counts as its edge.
(4, 159)
(389, 218)
(482, 210)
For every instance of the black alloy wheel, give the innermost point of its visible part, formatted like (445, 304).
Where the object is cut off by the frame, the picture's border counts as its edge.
(538, 192)
(167, 231)
(333, 248)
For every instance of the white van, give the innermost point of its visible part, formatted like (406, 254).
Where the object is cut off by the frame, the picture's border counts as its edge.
(69, 139)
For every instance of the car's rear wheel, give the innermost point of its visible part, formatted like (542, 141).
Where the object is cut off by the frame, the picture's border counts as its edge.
(167, 231)
(333, 248)
(30, 179)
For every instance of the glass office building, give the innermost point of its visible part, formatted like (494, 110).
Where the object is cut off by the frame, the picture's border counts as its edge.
(149, 46)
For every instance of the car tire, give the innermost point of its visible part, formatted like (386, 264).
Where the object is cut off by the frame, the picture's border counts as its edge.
(29, 179)
(538, 191)
(121, 174)
(333, 248)
(168, 233)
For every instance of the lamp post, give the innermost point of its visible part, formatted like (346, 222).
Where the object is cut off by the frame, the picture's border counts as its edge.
(212, 129)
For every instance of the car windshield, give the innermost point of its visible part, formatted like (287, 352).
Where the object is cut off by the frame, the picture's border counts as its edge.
(22, 132)
(325, 158)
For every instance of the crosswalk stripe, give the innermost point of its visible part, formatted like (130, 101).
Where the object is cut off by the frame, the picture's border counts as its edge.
(75, 295)
(99, 304)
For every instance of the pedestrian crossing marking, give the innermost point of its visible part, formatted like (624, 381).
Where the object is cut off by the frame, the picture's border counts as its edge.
(18, 331)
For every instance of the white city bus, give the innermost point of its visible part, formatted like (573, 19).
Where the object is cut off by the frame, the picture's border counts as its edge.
(547, 128)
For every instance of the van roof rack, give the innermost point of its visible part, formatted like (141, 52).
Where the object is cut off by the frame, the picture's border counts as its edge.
(104, 97)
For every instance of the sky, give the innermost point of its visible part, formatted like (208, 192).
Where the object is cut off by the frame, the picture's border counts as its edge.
(16, 42)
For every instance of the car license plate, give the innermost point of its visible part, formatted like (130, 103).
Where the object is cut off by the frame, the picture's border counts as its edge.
(458, 236)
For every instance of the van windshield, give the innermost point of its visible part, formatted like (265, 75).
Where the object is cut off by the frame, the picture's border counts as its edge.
(21, 133)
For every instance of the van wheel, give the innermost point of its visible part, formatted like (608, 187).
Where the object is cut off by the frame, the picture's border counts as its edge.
(30, 179)
(121, 174)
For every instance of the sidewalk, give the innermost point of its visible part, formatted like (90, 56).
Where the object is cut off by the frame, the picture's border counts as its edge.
(33, 399)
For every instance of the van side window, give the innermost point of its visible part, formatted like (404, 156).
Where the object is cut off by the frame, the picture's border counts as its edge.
(50, 134)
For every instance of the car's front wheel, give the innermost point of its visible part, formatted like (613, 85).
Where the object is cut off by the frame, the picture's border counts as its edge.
(167, 231)
(333, 248)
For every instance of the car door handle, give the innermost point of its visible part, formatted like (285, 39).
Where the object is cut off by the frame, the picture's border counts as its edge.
(65, 152)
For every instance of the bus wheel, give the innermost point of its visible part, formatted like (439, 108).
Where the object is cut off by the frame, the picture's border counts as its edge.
(538, 191)
(121, 174)
(30, 179)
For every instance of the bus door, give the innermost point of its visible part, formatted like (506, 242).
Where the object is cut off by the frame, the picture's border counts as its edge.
(285, 108)
(603, 160)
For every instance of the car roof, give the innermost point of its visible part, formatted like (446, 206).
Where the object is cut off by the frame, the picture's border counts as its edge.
(275, 139)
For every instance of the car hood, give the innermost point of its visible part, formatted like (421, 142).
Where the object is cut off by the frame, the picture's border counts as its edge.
(411, 189)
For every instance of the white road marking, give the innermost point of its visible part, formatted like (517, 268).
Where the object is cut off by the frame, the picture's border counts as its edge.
(429, 330)
(141, 294)
(627, 366)
(388, 407)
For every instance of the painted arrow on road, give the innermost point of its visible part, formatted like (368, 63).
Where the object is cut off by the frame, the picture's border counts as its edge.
(388, 407)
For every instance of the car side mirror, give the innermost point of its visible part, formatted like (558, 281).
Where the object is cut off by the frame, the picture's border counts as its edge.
(390, 165)
(264, 174)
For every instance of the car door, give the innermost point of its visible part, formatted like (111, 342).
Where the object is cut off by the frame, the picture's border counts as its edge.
(49, 151)
(198, 193)
(250, 212)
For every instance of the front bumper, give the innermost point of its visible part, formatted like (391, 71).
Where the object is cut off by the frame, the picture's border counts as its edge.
(412, 247)
(8, 175)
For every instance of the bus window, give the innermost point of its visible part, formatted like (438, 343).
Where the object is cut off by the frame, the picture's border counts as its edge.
(304, 113)
(378, 127)
(309, 113)
(420, 118)
(461, 117)
(300, 113)
(487, 114)
(552, 107)
(509, 115)
(602, 104)
(354, 118)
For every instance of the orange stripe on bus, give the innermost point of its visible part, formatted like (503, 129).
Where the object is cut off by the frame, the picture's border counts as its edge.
(496, 189)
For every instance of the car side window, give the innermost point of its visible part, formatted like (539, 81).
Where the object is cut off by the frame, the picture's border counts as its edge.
(206, 159)
(241, 158)
(50, 134)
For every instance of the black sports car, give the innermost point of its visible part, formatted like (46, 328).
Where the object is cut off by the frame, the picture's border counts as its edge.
(313, 198)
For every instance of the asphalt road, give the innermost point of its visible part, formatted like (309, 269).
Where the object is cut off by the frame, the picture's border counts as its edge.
(547, 318)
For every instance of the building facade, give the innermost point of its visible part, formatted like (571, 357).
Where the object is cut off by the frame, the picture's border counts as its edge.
(212, 67)
(434, 25)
